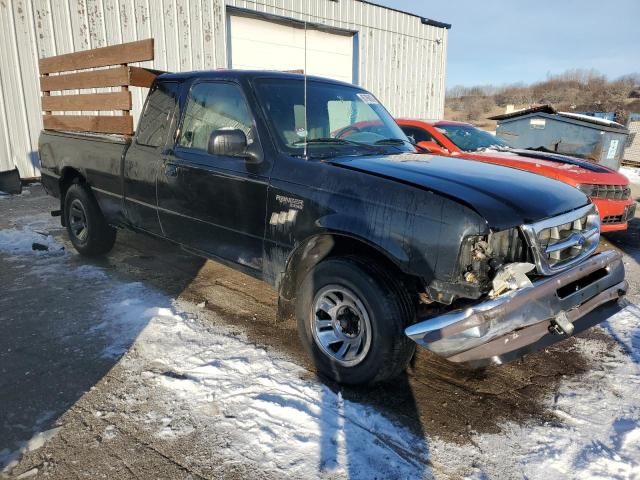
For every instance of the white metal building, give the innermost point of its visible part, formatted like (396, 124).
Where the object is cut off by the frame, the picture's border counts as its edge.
(632, 148)
(400, 57)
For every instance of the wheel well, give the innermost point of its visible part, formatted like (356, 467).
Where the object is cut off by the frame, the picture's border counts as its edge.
(69, 177)
(325, 246)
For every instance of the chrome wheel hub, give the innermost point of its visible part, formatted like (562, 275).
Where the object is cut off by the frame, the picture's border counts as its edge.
(78, 221)
(340, 325)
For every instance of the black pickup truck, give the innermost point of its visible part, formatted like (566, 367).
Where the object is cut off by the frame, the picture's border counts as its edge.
(375, 245)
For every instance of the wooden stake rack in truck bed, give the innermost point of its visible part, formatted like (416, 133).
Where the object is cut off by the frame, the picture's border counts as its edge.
(106, 67)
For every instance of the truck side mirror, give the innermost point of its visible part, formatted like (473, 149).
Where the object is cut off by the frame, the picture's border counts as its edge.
(231, 142)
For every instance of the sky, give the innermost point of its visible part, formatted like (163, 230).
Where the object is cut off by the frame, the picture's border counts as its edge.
(509, 41)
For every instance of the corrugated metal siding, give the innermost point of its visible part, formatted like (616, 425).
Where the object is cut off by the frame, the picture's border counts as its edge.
(401, 60)
(632, 152)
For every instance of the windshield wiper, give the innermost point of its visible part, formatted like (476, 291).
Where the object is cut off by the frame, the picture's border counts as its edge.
(328, 140)
(337, 141)
(399, 141)
(393, 141)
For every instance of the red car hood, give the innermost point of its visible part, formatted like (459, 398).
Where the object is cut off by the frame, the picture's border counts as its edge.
(561, 167)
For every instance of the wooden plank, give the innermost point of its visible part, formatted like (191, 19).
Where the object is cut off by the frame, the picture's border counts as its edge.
(141, 77)
(88, 101)
(46, 94)
(123, 90)
(139, 51)
(122, 125)
(108, 77)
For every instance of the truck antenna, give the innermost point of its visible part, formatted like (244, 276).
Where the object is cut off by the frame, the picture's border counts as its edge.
(304, 71)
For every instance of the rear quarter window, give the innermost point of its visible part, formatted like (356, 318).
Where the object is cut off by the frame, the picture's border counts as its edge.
(154, 122)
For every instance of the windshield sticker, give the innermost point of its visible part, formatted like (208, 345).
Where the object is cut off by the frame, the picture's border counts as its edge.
(301, 132)
(613, 149)
(368, 98)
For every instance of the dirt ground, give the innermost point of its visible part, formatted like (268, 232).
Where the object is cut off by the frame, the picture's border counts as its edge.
(52, 378)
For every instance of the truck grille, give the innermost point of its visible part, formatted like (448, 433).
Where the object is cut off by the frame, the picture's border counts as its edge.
(629, 213)
(612, 192)
(612, 219)
(563, 241)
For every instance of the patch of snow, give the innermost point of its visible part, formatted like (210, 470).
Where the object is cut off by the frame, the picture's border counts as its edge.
(273, 417)
(270, 416)
(590, 119)
(21, 241)
(632, 173)
(30, 230)
(597, 435)
(11, 458)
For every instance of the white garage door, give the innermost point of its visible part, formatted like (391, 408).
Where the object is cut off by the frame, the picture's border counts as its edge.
(263, 45)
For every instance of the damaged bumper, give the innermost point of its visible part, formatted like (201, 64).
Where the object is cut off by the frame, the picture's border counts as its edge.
(525, 320)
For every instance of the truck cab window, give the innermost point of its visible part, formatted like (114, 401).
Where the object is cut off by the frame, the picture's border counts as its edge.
(154, 124)
(340, 119)
(212, 106)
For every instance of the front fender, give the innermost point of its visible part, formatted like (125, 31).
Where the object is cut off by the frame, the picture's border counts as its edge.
(391, 244)
(315, 248)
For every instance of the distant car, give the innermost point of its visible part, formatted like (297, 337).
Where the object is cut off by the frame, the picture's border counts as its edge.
(608, 189)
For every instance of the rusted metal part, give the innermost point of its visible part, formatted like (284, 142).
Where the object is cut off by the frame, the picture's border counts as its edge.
(576, 292)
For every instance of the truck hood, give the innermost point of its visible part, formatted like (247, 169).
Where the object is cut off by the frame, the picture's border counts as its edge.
(504, 197)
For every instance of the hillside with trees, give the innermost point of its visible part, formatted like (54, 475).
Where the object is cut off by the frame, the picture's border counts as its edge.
(573, 90)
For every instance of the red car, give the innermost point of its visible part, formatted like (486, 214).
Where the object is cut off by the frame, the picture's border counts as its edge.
(608, 189)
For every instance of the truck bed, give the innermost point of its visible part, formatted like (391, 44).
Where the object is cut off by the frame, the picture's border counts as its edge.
(97, 157)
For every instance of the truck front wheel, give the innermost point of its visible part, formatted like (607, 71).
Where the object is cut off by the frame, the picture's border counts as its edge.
(88, 230)
(351, 318)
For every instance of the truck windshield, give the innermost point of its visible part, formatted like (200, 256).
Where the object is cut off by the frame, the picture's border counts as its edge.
(472, 139)
(341, 120)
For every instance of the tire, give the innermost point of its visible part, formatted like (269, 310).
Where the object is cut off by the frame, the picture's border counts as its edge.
(339, 297)
(88, 230)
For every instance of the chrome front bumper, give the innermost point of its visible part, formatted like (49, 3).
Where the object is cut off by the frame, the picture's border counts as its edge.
(521, 321)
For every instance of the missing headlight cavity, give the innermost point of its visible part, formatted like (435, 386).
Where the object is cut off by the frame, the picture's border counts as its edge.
(482, 256)
(573, 287)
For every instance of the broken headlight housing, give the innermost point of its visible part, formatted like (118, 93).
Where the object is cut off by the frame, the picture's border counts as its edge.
(482, 255)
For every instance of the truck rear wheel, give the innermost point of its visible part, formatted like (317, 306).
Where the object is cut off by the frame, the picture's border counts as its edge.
(351, 318)
(88, 230)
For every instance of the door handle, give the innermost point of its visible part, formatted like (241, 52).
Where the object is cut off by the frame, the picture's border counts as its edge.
(170, 170)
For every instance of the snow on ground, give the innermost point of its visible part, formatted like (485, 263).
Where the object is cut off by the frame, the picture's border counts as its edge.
(632, 173)
(271, 416)
(212, 380)
(597, 432)
(229, 386)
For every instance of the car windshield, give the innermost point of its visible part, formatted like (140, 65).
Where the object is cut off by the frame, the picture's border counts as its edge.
(472, 139)
(340, 120)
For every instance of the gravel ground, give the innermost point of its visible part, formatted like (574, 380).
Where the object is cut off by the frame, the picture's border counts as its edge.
(73, 406)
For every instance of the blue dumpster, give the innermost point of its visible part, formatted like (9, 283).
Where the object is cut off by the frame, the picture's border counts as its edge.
(543, 128)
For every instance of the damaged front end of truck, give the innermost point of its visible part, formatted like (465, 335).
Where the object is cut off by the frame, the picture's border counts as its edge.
(535, 285)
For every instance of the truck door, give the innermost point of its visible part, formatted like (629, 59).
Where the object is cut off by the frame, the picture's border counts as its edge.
(215, 204)
(143, 160)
